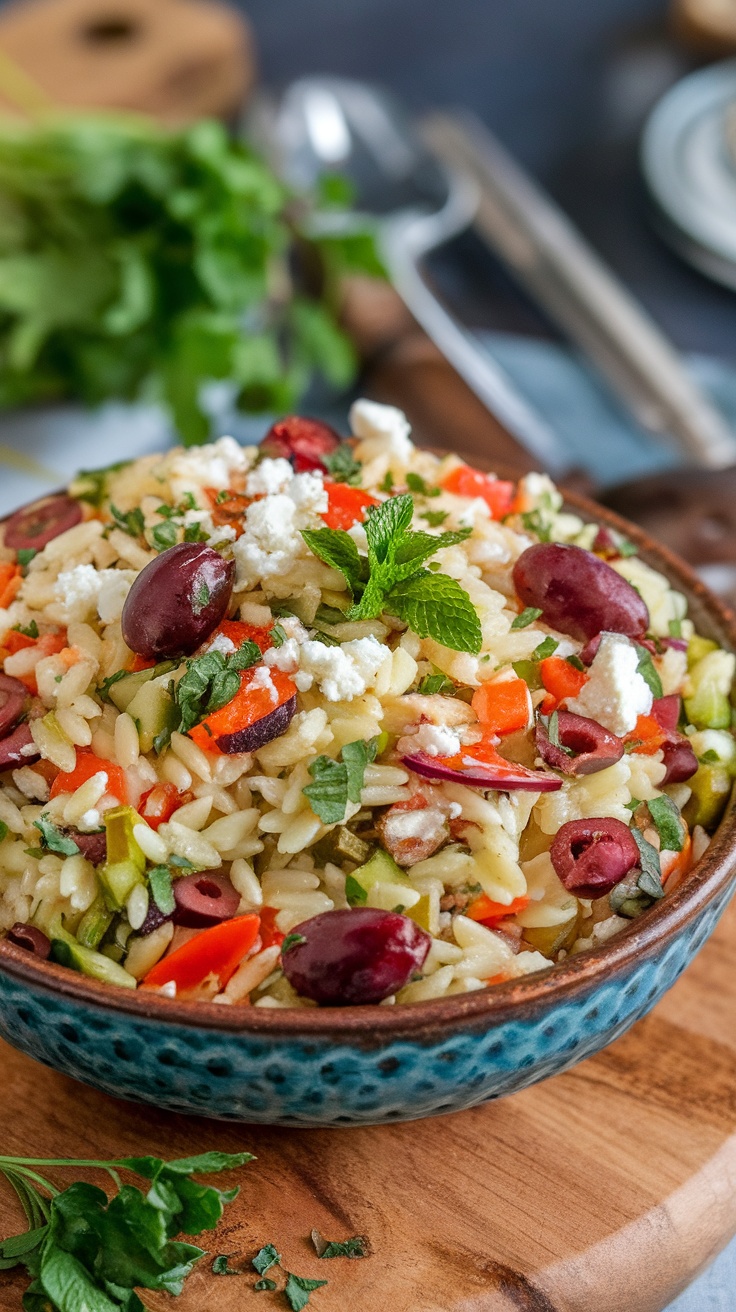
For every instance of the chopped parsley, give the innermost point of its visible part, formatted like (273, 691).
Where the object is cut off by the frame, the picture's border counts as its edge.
(52, 838)
(527, 617)
(131, 522)
(416, 484)
(435, 517)
(31, 631)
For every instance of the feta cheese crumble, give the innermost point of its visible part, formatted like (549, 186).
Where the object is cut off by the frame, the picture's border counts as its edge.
(84, 589)
(207, 466)
(383, 431)
(433, 739)
(342, 672)
(269, 477)
(615, 694)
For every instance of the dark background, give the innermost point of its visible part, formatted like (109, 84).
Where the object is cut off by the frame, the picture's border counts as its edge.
(564, 83)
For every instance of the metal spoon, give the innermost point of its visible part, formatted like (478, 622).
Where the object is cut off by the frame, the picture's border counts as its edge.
(325, 124)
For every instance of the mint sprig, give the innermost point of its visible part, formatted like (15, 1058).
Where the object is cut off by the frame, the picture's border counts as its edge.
(391, 579)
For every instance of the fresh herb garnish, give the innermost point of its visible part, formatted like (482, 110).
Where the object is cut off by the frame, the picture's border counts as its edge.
(668, 823)
(552, 726)
(162, 891)
(391, 579)
(292, 941)
(546, 648)
(103, 691)
(633, 805)
(342, 465)
(87, 1254)
(30, 631)
(90, 485)
(210, 682)
(647, 671)
(298, 1289)
(265, 1283)
(709, 758)
(4, 831)
(278, 636)
(195, 533)
(527, 617)
(650, 877)
(164, 535)
(576, 663)
(201, 598)
(625, 548)
(388, 482)
(131, 522)
(358, 1246)
(221, 1266)
(52, 838)
(355, 893)
(434, 517)
(675, 628)
(416, 483)
(25, 555)
(434, 683)
(265, 1258)
(534, 522)
(335, 783)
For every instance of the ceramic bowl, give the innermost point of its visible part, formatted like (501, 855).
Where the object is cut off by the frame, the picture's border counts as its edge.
(363, 1065)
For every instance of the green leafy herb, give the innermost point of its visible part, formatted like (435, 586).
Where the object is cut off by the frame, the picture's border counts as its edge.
(647, 671)
(162, 891)
(675, 628)
(633, 805)
(434, 683)
(435, 517)
(335, 783)
(292, 941)
(328, 615)
(416, 483)
(25, 556)
(195, 533)
(355, 893)
(576, 663)
(265, 1284)
(52, 838)
(87, 1254)
(546, 648)
(131, 522)
(211, 681)
(343, 466)
(709, 758)
(392, 578)
(626, 548)
(388, 482)
(137, 258)
(201, 598)
(4, 831)
(668, 823)
(221, 1266)
(90, 485)
(164, 535)
(278, 637)
(526, 617)
(358, 1246)
(265, 1258)
(30, 631)
(535, 522)
(103, 690)
(298, 1289)
(650, 877)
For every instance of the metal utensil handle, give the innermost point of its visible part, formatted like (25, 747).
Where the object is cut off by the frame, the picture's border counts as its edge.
(404, 239)
(551, 259)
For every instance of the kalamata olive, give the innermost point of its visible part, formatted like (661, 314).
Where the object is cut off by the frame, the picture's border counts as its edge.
(177, 601)
(18, 748)
(590, 650)
(92, 846)
(680, 761)
(154, 919)
(30, 938)
(32, 527)
(593, 748)
(591, 856)
(305, 442)
(205, 898)
(348, 958)
(578, 593)
(13, 697)
(261, 732)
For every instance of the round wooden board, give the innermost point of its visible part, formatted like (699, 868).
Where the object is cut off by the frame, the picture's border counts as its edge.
(607, 1188)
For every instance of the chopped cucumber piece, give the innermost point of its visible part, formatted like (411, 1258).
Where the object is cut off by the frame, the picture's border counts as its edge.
(699, 647)
(125, 862)
(94, 924)
(711, 788)
(708, 706)
(154, 712)
(122, 693)
(68, 952)
(381, 869)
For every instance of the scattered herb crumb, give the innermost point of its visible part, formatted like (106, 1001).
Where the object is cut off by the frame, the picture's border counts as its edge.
(265, 1284)
(298, 1289)
(221, 1267)
(358, 1246)
(265, 1258)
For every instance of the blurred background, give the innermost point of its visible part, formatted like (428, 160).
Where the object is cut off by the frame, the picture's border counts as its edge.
(158, 284)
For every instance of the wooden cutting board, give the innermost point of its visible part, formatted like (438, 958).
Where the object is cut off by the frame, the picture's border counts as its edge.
(604, 1190)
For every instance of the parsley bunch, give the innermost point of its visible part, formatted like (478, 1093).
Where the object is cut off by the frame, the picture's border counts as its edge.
(87, 1254)
(135, 260)
(392, 579)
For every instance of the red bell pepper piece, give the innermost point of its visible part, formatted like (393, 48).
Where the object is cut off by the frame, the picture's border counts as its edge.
(497, 493)
(561, 681)
(217, 952)
(160, 802)
(11, 577)
(490, 913)
(270, 935)
(346, 505)
(503, 707)
(87, 765)
(247, 706)
(239, 632)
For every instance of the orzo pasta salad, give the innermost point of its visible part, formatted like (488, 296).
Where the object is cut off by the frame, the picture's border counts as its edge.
(338, 721)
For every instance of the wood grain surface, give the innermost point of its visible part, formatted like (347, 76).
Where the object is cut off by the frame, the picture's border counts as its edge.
(604, 1190)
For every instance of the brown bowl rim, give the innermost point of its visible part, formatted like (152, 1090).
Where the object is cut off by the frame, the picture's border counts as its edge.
(515, 999)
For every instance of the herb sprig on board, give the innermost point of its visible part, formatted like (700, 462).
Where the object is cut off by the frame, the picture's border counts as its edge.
(139, 260)
(87, 1254)
(392, 578)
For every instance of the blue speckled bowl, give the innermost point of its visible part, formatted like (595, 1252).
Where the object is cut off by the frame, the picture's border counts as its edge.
(362, 1065)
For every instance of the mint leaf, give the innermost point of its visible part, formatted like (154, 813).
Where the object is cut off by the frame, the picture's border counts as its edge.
(647, 671)
(264, 1283)
(131, 522)
(211, 681)
(342, 465)
(336, 548)
(164, 535)
(162, 892)
(53, 839)
(278, 636)
(358, 1246)
(415, 548)
(650, 878)
(338, 782)
(265, 1258)
(298, 1289)
(435, 517)
(526, 617)
(221, 1265)
(103, 690)
(668, 823)
(435, 606)
(385, 525)
(416, 483)
(434, 683)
